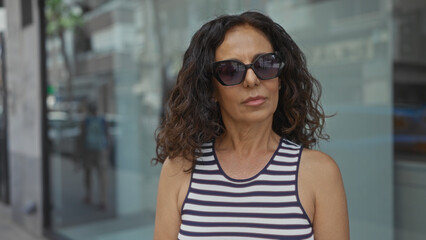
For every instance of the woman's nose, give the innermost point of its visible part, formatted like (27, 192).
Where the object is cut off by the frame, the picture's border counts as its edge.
(250, 80)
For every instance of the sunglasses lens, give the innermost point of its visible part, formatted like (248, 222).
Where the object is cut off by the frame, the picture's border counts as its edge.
(267, 66)
(230, 72)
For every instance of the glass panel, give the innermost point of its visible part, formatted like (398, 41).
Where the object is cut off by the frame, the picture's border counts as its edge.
(104, 105)
(410, 81)
(410, 119)
(348, 45)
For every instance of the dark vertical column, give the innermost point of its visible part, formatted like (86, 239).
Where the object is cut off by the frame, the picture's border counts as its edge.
(44, 123)
(4, 166)
(27, 12)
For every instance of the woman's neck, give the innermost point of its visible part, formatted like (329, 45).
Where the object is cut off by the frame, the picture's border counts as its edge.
(246, 139)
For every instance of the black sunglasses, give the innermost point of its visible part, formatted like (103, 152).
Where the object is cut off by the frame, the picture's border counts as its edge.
(233, 72)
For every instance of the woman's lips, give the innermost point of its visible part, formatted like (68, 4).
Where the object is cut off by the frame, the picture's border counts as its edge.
(254, 101)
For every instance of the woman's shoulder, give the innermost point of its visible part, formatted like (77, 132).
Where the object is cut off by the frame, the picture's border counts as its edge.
(175, 168)
(320, 168)
(318, 159)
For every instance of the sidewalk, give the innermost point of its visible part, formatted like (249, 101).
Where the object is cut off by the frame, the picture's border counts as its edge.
(11, 231)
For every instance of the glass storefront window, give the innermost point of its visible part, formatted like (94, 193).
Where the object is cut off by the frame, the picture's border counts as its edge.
(104, 104)
(109, 73)
(348, 45)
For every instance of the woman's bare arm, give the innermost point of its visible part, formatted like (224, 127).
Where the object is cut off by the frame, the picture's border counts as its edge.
(173, 181)
(331, 216)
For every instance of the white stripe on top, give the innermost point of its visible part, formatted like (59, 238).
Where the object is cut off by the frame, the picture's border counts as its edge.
(289, 232)
(254, 188)
(252, 199)
(275, 221)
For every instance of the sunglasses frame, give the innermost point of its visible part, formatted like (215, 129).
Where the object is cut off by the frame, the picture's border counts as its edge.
(247, 66)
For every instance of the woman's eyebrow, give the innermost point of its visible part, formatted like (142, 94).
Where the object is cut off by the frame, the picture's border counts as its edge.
(239, 60)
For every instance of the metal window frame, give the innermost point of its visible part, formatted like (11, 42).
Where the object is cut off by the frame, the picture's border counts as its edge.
(4, 153)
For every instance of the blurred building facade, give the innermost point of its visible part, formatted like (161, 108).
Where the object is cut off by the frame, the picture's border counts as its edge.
(21, 114)
(105, 75)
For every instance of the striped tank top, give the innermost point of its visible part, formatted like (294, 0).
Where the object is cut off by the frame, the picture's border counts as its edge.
(265, 206)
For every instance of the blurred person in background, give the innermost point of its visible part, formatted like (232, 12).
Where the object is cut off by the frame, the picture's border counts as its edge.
(235, 141)
(93, 150)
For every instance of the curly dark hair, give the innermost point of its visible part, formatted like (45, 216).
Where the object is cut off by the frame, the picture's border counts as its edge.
(192, 118)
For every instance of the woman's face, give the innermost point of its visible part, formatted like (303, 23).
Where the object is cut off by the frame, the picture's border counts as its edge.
(253, 100)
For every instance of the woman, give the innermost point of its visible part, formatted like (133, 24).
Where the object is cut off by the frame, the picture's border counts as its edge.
(234, 141)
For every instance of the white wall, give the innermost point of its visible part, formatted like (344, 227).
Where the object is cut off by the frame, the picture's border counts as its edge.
(24, 113)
